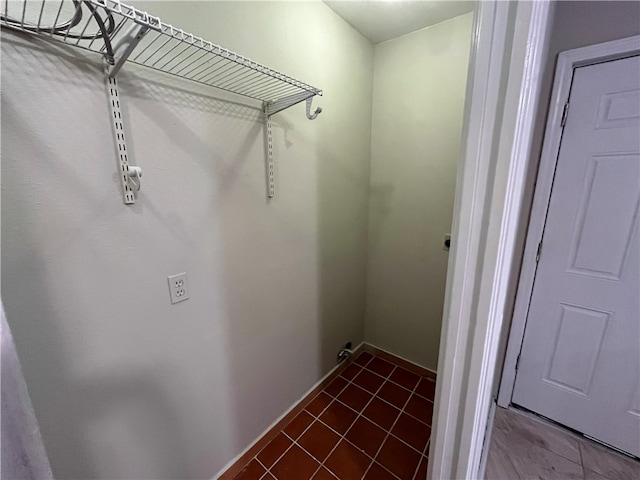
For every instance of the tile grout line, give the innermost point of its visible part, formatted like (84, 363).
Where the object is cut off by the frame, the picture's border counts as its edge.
(387, 379)
(411, 392)
(394, 424)
(391, 428)
(317, 418)
(402, 386)
(513, 466)
(353, 444)
(368, 419)
(426, 447)
(293, 441)
(341, 436)
(537, 423)
(311, 455)
(266, 470)
(584, 472)
(359, 414)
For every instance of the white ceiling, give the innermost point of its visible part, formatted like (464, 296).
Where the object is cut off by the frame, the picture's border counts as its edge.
(380, 20)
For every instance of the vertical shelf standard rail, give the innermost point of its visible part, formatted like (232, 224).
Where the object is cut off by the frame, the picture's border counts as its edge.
(121, 33)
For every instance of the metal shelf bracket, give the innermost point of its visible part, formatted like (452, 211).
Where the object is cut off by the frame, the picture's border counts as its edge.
(286, 102)
(271, 182)
(317, 111)
(122, 33)
(124, 47)
(270, 108)
(129, 175)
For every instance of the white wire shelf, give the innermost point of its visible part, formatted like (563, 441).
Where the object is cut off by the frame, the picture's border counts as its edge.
(123, 33)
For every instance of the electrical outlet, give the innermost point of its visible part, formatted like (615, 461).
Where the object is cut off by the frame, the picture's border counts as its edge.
(446, 244)
(178, 287)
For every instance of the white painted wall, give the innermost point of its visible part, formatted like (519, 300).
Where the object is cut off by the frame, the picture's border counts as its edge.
(418, 101)
(125, 385)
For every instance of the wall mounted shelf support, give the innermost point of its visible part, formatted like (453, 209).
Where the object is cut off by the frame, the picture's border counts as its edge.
(121, 33)
(271, 182)
(129, 176)
(125, 47)
(317, 111)
(286, 102)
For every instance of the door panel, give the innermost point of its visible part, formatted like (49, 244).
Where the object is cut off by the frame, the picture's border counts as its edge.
(580, 359)
(570, 369)
(603, 210)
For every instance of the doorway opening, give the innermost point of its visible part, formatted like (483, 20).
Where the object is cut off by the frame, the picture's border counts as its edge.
(567, 374)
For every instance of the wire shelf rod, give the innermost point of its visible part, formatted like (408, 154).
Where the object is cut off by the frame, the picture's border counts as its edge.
(165, 54)
(234, 77)
(164, 66)
(40, 17)
(156, 51)
(204, 59)
(121, 33)
(195, 52)
(78, 8)
(270, 94)
(223, 71)
(116, 30)
(250, 84)
(207, 67)
(24, 11)
(55, 22)
(271, 91)
(101, 25)
(86, 25)
(229, 75)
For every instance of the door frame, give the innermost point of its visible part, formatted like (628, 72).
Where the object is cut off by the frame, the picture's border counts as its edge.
(509, 44)
(567, 62)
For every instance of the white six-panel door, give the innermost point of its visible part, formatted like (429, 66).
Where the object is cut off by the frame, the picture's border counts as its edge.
(580, 359)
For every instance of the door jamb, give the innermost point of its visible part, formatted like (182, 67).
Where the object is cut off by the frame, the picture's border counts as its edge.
(567, 62)
(505, 68)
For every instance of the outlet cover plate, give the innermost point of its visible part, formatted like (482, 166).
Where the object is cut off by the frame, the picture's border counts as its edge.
(178, 287)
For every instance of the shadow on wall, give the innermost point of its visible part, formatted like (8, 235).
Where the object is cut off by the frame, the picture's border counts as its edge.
(73, 410)
(77, 408)
(123, 384)
(380, 200)
(343, 208)
(128, 390)
(418, 101)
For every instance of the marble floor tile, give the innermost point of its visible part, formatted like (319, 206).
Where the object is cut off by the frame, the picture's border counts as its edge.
(591, 475)
(537, 463)
(608, 463)
(499, 466)
(521, 430)
(523, 447)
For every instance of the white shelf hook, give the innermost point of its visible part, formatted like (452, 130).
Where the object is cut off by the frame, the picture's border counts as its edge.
(135, 175)
(312, 116)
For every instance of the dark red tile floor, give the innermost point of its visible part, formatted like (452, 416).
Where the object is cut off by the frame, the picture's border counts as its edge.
(371, 422)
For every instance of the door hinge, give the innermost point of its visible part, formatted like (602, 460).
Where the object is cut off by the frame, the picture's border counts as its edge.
(565, 114)
(518, 362)
(538, 251)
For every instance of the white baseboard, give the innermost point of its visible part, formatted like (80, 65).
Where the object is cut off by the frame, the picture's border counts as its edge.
(284, 414)
(400, 357)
